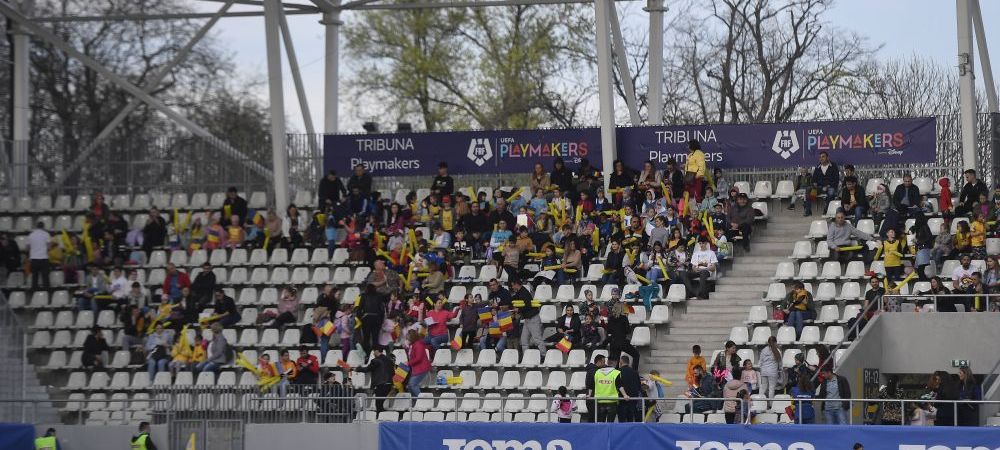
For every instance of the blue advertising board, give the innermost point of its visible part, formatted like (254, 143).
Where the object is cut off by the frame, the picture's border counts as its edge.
(860, 142)
(631, 436)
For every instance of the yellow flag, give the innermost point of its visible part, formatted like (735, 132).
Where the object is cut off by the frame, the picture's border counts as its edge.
(192, 442)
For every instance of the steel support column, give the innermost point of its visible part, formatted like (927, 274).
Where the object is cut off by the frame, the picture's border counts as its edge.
(279, 152)
(300, 92)
(21, 102)
(605, 95)
(153, 83)
(654, 96)
(966, 83)
(331, 80)
(622, 63)
(984, 58)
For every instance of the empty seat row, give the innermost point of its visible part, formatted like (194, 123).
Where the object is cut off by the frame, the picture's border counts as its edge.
(786, 335)
(125, 202)
(243, 257)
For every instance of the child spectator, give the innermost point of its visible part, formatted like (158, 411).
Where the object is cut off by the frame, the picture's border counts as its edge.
(591, 336)
(696, 360)
(344, 322)
(563, 406)
(944, 244)
(977, 235)
(234, 232)
(963, 238)
(750, 376)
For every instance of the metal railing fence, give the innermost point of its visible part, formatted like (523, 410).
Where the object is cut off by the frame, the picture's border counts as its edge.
(308, 405)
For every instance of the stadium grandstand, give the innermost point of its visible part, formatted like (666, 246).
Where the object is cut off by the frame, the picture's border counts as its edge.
(784, 285)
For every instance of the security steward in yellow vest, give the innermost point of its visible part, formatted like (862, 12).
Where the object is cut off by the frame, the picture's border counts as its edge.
(142, 441)
(47, 442)
(607, 390)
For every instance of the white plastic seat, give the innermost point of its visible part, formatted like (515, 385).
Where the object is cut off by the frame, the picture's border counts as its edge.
(447, 402)
(739, 335)
(775, 292)
(817, 229)
(576, 358)
(511, 380)
(788, 360)
(676, 293)
(827, 291)
(532, 380)
(509, 358)
(850, 312)
(487, 358)
(808, 270)
(641, 337)
(531, 358)
(785, 189)
(760, 336)
(762, 190)
(828, 314)
(802, 250)
(470, 403)
(659, 315)
(850, 290)
(758, 314)
(784, 271)
(831, 270)
(785, 335)
(854, 270)
(810, 335)
(833, 336)
(442, 358)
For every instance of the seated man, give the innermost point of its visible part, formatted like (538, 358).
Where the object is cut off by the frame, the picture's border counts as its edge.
(703, 265)
(841, 233)
(94, 290)
(307, 366)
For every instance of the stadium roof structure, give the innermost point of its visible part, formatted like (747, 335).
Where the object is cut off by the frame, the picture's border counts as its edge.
(27, 27)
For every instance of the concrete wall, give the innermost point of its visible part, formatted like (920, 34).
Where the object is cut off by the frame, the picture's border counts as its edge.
(923, 343)
(97, 437)
(311, 436)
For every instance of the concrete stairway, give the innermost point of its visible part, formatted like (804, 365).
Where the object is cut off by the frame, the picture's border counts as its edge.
(708, 322)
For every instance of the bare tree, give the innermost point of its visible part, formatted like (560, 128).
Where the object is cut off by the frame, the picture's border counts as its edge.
(907, 87)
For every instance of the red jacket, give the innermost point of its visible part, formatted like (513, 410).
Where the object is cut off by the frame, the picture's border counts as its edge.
(417, 358)
(183, 281)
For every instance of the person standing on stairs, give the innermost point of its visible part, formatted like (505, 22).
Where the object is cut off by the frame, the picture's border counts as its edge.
(618, 331)
(770, 366)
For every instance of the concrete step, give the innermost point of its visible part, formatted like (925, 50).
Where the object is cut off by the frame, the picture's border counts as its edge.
(744, 297)
(699, 330)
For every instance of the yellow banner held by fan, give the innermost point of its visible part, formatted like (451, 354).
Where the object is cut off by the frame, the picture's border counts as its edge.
(515, 194)
(451, 381)
(643, 279)
(660, 380)
(520, 303)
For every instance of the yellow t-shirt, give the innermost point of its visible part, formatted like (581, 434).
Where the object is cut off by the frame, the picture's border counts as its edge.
(890, 250)
(447, 219)
(696, 163)
(961, 240)
(978, 237)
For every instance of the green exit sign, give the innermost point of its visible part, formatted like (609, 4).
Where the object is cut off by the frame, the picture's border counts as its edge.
(959, 363)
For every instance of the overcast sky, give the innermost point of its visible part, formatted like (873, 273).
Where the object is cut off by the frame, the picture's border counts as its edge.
(903, 27)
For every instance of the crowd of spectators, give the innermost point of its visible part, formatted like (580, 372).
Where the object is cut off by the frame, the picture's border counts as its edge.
(651, 227)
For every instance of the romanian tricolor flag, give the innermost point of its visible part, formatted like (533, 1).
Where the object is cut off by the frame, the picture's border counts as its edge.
(494, 328)
(402, 370)
(506, 320)
(564, 345)
(456, 344)
(396, 331)
(325, 327)
(485, 314)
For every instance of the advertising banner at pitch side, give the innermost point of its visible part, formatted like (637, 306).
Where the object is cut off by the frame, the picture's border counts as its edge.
(859, 142)
(625, 436)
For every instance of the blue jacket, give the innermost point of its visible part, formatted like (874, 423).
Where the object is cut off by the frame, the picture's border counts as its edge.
(831, 178)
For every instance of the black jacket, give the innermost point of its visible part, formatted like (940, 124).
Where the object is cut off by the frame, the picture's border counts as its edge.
(238, 207)
(574, 325)
(363, 183)
(843, 388)
(831, 178)
(154, 234)
(562, 178)
(381, 369)
(618, 328)
(527, 311)
(203, 285)
(859, 197)
(372, 306)
(736, 370)
(589, 382)
(443, 185)
(497, 215)
(969, 194)
(473, 223)
(675, 180)
(630, 381)
(621, 180)
(330, 191)
(912, 192)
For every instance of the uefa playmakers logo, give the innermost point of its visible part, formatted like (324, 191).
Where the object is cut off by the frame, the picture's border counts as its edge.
(480, 151)
(785, 143)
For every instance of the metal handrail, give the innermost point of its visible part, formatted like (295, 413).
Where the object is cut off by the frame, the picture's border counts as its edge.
(854, 331)
(934, 297)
